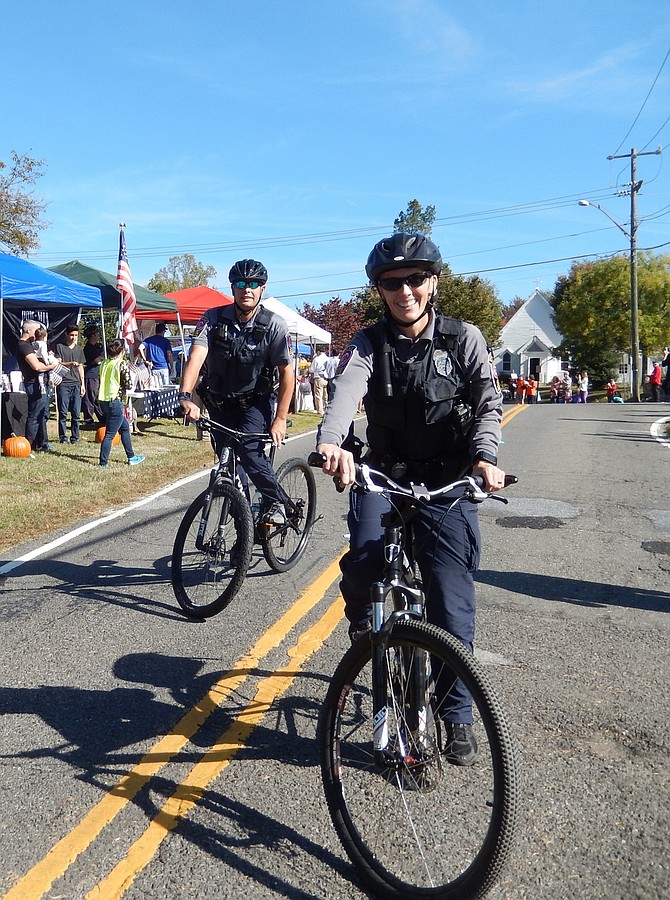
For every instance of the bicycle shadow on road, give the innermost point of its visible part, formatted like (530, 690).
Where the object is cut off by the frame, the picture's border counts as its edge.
(105, 731)
(573, 590)
(109, 581)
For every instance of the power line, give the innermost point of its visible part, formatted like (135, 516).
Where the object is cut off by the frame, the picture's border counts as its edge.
(643, 106)
(542, 262)
(248, 244)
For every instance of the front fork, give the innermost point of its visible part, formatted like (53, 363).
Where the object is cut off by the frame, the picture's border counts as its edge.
(408, 603)
(216, 475)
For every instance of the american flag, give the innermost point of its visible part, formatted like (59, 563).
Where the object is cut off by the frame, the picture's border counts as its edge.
(124, 285)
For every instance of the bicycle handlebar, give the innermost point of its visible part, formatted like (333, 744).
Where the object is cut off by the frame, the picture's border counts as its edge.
(205, 424)
(374, 481)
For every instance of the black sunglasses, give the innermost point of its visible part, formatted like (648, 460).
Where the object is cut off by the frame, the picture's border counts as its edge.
(242, 283)
(413, 281)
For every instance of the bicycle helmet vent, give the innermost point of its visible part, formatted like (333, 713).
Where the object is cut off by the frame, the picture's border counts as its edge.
(248, 270)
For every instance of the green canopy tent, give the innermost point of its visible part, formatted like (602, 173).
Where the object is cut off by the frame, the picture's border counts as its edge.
(150, 305)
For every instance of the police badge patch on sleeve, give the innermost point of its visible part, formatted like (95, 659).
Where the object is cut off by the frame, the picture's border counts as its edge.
(199, 327)
(442, 362)
(344, 359)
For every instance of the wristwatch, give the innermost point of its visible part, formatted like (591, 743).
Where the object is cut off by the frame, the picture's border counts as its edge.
(486, 457)
(185, 396)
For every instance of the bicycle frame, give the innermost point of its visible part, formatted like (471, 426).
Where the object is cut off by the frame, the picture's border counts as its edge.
(228, 468)
(400, 584)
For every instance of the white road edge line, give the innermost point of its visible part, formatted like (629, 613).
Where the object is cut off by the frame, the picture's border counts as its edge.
(77, 532)
(657, 429)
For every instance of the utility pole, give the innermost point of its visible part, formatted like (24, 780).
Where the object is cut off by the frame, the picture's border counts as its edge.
(635, 186)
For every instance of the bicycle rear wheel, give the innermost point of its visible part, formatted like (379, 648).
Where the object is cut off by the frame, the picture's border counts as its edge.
(208, 572)
(414, 825)
(284, 545)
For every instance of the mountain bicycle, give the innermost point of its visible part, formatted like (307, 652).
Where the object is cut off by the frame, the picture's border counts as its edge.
(214, 543)
(413, 824)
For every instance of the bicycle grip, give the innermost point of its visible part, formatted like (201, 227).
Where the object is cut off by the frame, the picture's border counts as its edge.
(316, 460)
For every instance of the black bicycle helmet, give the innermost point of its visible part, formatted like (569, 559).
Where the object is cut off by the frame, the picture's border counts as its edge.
(248, 270)
(402, 251)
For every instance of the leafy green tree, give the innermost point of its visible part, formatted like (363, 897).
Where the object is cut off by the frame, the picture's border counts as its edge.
(474, 300)
(415, 219)
(180, 273)
(592, 311)
(342, 318)
(20, 210)
(369, 304)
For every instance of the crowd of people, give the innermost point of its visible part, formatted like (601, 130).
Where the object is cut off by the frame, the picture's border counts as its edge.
(76, 379)
(315, 378)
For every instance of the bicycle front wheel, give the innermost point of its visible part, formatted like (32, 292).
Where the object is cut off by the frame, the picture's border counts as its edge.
(208, 570)
(284, 545)
(413, 824)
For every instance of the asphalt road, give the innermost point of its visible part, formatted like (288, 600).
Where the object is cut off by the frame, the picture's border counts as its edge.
(146, 756)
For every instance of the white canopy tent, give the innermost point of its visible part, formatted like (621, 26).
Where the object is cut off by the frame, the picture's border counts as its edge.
(299, 327)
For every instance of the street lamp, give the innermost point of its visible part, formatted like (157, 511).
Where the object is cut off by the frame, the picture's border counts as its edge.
(634, 319)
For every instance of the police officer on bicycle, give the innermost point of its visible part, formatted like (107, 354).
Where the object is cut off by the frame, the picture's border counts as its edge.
(245, 353)
(433, 413)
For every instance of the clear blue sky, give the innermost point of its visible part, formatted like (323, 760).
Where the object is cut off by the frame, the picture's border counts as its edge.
(295, 131)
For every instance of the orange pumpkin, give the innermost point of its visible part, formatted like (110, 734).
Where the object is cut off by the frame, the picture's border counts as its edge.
(16, 446)
(100, 436)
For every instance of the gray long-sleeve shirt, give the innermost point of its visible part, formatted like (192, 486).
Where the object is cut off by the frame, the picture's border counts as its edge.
(355, 369)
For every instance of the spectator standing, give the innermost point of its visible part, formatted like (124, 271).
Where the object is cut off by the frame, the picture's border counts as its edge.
(115, 379)
(71, 389)
(319, 381)
(612, 390)
(583, 387)
(513, 378)
(655, 380)
(565, 388)
(521, 390)
(305, 396)
(38, 400)
(156, 351)
(94, 355)
(531, 390)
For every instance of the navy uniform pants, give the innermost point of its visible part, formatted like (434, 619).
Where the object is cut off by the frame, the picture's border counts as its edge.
(447, 549)
(256, 419)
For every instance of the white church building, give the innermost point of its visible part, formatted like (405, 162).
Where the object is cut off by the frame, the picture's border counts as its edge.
(526, 342)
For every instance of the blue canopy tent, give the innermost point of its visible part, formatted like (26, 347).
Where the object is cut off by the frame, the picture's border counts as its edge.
(27, 289)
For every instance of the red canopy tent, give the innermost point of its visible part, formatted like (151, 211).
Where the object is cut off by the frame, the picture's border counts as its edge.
(192, 303)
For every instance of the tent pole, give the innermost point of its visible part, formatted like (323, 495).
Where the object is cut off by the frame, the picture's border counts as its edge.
(183, 347)
(102, 330)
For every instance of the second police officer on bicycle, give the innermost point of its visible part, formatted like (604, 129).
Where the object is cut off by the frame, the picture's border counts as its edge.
(245, 351)
(433, 413)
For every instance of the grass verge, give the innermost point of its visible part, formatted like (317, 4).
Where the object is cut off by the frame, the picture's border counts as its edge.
(54, 490)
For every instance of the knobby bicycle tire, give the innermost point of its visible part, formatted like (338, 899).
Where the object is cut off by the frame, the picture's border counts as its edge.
(283, 546)
(206, 580)
(414, 825)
